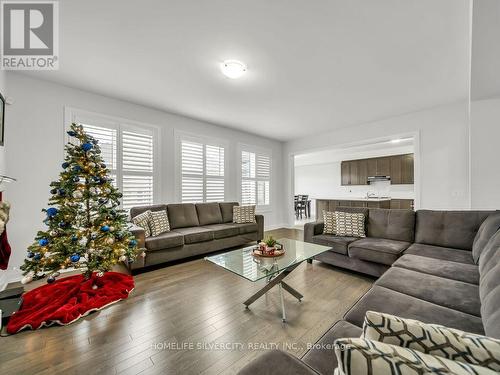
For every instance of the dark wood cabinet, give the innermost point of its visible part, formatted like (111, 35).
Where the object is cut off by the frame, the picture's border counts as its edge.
(407, 169)
(345, 173)
(398, 167)
(402, 204)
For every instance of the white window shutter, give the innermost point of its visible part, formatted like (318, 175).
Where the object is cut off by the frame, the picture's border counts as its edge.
(108, 142)
(202, 172)
(255, 178)
(137, 165)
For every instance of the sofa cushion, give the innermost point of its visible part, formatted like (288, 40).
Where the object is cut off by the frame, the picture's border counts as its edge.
(330, 224)
(396, 225)
(454, 229)
(276, 362)
(453, 294)
(337, 243)
(223, 230)
(165, 240)
(468, 273)
(321, 356)
(158, 222)
(489, 288)
(378, 250)
(244, 214)
(247, 227)
(195, 234)
(134, 211)
(182, 215)
(209, 213)
(438, 252)
(226, 209)
(392, 302)
(487, 229)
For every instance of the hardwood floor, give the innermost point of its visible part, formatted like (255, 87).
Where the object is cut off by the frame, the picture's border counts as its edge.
(188, 318)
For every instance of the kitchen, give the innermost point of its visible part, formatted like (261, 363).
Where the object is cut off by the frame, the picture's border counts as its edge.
(374, 175)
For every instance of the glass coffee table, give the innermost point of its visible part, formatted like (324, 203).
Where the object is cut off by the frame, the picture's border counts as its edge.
(254, 268)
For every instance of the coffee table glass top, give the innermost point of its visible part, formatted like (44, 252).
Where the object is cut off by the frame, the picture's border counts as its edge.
(254, 268)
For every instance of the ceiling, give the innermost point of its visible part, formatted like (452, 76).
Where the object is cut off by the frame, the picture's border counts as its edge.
(313, 66)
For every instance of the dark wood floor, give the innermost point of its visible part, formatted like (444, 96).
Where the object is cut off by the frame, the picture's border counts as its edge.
(194, 304)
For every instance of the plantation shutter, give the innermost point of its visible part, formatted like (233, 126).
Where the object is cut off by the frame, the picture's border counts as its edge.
(202, 169)
(214, 180)
(255, 178)
(138, 158)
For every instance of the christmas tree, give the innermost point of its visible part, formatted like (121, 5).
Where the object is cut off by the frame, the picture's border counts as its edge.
(86, 229)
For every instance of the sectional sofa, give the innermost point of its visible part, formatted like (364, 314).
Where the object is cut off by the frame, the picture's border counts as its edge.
(438, 267)
(195, 229)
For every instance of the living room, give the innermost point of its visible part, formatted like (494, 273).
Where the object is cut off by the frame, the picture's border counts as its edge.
(205, 122)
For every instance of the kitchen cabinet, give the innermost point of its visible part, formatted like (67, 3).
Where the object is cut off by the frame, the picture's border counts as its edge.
(407, 204)
(398, 167)
(345, 172)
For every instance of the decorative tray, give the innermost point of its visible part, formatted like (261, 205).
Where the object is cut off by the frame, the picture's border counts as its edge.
(259, 253)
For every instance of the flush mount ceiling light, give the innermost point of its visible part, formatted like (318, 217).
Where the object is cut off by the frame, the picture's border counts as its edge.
(233, 68)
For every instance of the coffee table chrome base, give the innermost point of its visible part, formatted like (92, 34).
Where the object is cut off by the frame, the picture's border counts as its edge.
(273, 281)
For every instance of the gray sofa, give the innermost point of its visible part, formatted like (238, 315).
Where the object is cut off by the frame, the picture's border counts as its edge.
(195, 229)
(448, 274)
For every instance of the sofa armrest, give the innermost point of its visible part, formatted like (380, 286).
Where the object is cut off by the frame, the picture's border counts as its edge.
(277, 362)
(260, 226)
(312, 229)
(139, 233)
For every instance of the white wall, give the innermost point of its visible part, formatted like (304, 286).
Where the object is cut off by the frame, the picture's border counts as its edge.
(441, 152)
(35, 149)
(485, 155)
(3, 161)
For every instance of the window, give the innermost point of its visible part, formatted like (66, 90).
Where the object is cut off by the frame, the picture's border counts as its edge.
(202, 172)
(255, 178)
(129, 153)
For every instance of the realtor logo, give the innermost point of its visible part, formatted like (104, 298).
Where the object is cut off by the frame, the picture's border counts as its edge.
(29, 35)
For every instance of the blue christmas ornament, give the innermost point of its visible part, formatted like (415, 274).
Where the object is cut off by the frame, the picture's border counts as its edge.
(75, 258)
(87, 146)
(30, 254)
(96, 178)
(65, 165)
(51, 279)
(62, 224)
(132, 243)
(37, 256)
(71, 133)
(102, 180)
(74, 238)
(77, 168)
(61, 192)
(43, 242)
(105, 228)
(51, 212)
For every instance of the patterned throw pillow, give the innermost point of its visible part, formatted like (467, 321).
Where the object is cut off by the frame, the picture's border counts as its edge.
(142, 220)
(433, 339)
(359, 356)
(329, 221)
(243, 214)
(349, 224)
(159, 222)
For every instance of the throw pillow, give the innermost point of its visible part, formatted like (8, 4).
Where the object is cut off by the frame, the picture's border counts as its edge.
(329, 222)
(360, 356)
(349, 224)
(142, 220)
(433, 339)
(159, 222)
(243, 214)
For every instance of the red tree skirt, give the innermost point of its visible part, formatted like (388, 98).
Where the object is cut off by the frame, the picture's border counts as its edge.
(68, 299)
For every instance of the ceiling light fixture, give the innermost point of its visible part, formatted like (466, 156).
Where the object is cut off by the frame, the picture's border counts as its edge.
(233, 68)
